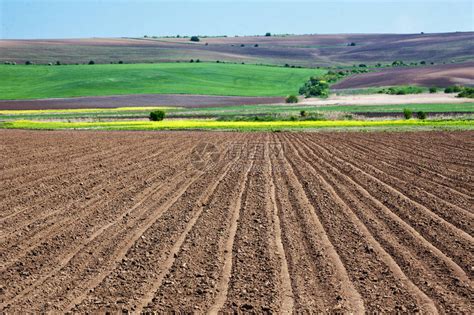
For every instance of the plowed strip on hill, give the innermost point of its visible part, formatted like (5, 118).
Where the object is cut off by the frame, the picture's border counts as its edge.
(236, 222)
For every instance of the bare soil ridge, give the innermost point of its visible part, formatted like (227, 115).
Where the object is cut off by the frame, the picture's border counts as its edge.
(279, 222)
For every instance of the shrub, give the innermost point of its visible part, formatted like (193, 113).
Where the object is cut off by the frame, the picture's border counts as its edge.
(287, 65)
(433, 90)
(291, 99)
(453, 89)
(421, 115)
(120, 62)
(303, 113)
(192, 60)
(398, 63)
(407, 113)
(402, 90)
(351, 44)
(256, 45)
(197, 60)
(157, 115)
(423, 62)
(58, 63)
(268, 34)
(28, 63)
(242, 45)
(92, 62)
(194, 39)
(467, 92)
(315, 87)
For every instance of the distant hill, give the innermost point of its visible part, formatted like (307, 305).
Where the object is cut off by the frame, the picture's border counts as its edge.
(299, 50)
(437, 76)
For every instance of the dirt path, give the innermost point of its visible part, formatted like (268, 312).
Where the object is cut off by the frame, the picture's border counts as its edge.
(386, 99)
(236, 222)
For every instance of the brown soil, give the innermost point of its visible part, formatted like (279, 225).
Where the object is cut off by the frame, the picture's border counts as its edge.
(238, 222)
(178, 100)
(305, 50)
(438, 76)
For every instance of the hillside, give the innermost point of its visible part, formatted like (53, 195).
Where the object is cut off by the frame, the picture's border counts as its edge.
(304, 50)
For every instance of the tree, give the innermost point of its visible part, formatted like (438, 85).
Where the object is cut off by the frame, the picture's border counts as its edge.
(192, 60)
(291, 99)
(194, 39)
(120, 62)
(268, 34)
(157, 115)
(351, 44)
(28, 63)
(256, 45)
(58, 63)
(421, 115)
(433, 90)
(92, 62)
(407, 113)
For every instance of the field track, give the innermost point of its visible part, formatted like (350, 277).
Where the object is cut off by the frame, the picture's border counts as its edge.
(259, 222)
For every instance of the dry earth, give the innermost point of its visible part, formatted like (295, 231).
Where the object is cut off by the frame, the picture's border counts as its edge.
(305, 50)
(136, 100)
(258, 222)
(385, 99)
(438, 76)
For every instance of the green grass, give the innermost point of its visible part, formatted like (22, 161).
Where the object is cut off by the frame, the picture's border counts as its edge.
(243, 125)
(29, 82)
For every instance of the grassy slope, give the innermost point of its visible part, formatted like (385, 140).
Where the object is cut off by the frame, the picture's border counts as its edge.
(242, 125)
(28, 82)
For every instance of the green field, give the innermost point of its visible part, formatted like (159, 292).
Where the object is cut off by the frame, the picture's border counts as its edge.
(29, 82)
(411, 124)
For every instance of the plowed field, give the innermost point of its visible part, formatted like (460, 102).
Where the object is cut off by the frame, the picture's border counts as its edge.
(259, 222)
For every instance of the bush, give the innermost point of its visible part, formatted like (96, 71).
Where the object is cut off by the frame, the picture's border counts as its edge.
(403, 90)
(194, 39)
(407, 113)
(315, 87)
(28, 63)
(453, 89)
(351, 44)
(120, 62)
(433, 90)
(58, 63)
(268, 34)
(256, 45)
(303, 113)
(192, 60)
(157, 115)
(421, 115)
(92, 62)
(197, 60)
(291, 99)
(467, 92)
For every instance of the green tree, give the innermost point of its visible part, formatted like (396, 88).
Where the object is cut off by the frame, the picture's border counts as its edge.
(157, 115)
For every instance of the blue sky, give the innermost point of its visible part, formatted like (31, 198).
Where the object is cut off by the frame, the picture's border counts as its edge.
(108, 18)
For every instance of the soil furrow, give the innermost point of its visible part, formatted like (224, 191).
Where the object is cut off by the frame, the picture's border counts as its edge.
(378, 278)
(452, 241)
(419, 260)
